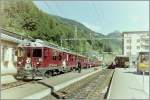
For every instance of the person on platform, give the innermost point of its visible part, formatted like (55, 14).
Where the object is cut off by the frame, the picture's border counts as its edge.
(79, 67)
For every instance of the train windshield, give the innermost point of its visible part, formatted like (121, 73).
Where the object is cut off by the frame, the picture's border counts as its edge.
(37, 53)
(144, 58)
(20, 52)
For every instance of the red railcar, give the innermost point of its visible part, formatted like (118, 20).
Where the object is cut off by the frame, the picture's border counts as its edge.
(39, 59)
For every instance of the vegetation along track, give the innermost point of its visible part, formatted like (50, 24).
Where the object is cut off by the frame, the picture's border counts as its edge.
(93, 87)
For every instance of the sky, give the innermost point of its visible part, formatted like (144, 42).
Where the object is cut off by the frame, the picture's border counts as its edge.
(102, 16)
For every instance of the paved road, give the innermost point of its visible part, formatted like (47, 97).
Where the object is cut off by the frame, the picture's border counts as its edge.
(38, 90)
(127, 84)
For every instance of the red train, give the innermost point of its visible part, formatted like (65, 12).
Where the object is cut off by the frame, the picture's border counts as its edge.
(38, 59)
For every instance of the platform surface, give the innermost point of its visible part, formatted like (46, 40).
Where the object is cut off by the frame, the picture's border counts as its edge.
(44, 87)
(127, 84)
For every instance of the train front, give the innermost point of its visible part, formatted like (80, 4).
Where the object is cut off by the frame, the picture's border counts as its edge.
(29, 60)
(143, 62)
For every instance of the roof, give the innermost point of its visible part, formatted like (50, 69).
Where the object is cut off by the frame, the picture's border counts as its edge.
(15, 35)
(121, 56)
(143, 52)
(40, 43)
(133, 32)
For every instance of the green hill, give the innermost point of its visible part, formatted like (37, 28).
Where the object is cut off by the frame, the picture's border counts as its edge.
(116, 43)
(23, 17)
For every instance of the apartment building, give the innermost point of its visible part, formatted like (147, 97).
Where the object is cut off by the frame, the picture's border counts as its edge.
(134, 42)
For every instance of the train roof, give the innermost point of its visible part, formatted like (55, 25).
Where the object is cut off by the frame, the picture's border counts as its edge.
(40, 43)
(144, 52)
(121, 57)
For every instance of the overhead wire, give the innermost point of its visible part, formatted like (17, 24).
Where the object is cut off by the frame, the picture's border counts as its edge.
(99, 18)
(49, 7)
(57, 14)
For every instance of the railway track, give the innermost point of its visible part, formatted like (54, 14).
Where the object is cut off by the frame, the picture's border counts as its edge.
(92, 87)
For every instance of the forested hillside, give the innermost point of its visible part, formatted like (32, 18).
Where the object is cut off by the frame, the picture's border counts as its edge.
(23, 17)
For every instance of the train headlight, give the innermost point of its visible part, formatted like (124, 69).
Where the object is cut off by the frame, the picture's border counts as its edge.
(28, 60)
(38, 63)
(19, 62)
(40, 59)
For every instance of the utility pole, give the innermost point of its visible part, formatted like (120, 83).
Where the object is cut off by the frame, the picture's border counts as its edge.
(75, 36)
(76, 43)
(91, 38)
(61, 41)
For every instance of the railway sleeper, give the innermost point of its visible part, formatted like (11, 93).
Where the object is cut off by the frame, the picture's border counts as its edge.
(81, 90)
(65, 93)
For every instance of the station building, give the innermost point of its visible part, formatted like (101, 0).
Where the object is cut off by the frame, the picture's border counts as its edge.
(8, 60)
(135, 42)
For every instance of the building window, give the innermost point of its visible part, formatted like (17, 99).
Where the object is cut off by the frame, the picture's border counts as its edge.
(138, 47)
(146, 41)
(129, 41)
(146, 47)
(128, 47)
(138, 40)
(128, 53)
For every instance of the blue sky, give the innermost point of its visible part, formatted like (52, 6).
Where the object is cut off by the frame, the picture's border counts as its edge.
(102, 16)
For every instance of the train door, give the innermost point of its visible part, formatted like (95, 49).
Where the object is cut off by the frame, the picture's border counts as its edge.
(37, 57)
(46, 57)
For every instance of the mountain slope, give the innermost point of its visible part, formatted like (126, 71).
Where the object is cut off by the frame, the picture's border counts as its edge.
(116, 43)
(23, 17)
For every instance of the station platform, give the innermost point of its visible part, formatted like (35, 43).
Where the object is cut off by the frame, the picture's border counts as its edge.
(127, 84)
(40, 89)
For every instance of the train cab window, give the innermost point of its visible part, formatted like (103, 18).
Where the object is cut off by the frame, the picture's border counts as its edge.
(37, 52)
(20, 52)
(144, 58)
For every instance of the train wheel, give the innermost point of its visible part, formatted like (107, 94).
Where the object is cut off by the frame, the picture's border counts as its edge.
(47, 74)
(139, 72)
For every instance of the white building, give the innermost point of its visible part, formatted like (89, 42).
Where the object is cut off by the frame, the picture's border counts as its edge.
(8, 60)
(134, 42)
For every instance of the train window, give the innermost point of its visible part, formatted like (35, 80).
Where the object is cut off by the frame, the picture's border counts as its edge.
(59, 57)
(54, 57)
(72, 58)
(37, 52)
(28, 52)
(46, 53)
